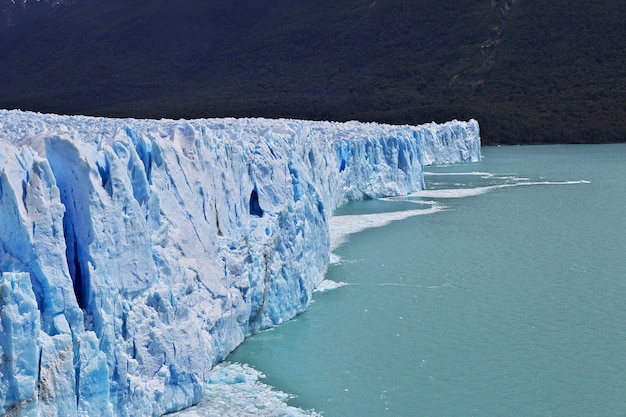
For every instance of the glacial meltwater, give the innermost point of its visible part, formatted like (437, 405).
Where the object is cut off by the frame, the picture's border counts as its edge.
(498, 291)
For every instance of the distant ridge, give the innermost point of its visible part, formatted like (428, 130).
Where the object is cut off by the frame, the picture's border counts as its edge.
(19, 12)
(531, 71)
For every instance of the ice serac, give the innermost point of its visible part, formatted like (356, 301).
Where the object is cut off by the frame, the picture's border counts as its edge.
(136, 254)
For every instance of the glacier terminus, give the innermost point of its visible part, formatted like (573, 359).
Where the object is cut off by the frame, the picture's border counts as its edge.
(136, 254)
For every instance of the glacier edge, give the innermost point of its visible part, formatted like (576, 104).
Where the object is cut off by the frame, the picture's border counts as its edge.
(136, 254)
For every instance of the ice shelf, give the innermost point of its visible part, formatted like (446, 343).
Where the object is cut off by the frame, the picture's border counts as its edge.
(136, 254)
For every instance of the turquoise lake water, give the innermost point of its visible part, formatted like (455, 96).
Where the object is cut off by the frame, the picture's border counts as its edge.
(507, 297)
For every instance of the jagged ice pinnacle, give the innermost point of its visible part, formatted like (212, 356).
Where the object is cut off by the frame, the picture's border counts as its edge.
(136, 254)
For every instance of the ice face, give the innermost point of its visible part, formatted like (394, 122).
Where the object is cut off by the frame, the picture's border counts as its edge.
(136, 254)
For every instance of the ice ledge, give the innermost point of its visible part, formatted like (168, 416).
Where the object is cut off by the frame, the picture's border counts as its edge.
(136, 254)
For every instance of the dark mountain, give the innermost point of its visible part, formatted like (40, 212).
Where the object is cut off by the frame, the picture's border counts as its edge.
(18, 12)
(529, 70)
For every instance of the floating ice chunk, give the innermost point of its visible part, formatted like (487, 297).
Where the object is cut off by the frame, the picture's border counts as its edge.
(471, 192)
(343, 226)
(328, 284)
(235, 390)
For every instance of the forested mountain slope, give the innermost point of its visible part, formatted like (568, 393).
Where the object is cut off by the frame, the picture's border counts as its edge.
(529, 70)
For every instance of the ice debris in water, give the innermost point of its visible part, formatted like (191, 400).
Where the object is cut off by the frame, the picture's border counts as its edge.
(235, 390)
(136, 254)
(328, 284)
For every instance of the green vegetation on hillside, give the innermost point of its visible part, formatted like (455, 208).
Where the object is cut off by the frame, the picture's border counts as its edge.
(531, 71)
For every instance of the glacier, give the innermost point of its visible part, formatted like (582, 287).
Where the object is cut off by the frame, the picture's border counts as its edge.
(136, 254)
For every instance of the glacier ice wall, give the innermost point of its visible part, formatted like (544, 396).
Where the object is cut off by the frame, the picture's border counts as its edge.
(136, 254)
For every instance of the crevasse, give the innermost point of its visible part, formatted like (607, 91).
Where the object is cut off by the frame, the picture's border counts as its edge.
(136, 254)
